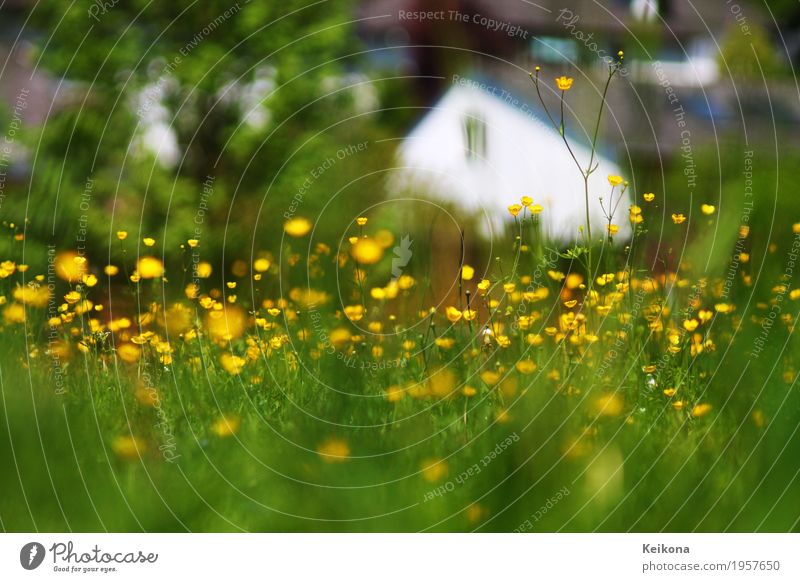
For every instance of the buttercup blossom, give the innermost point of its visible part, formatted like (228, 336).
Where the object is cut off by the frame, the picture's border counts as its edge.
(564, 83)
(297, 227)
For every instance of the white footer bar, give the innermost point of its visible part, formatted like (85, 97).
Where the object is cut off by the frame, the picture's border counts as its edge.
(401, 557)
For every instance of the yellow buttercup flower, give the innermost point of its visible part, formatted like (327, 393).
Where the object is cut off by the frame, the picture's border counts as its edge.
(203, 270)
(128, 447)
(526, 200)
(361, 220)
(129, 353)
(536, 209)
(367, 251)
(225, 323)
(442, 383)
(690, 324)
(615, 180)
(605, 279)
(7, 269)
(395, 394)
(514, 209)
(678, 218)
(526, 367)
(226, 426)
(445, 342)
(613, 229)
(232, 364)
(297, 227)
(574, 280)
(701, 410)
(406, 282)
(453, 314)
(467, 273)
(148, 242)
(334, 451)
(649, 197)
(434, 470)
(707, 209)
(70, 266)
(383, 237)
(564, 83)
(149, 267)
(340, 337)
(72, 297)
(705, 315)
(122, 234)
(261, 265)
(33, 296)
(609, 405)
(490, 377)
(14, 313)
(354, 312)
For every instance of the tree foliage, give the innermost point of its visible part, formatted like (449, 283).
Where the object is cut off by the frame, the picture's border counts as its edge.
(251, 93)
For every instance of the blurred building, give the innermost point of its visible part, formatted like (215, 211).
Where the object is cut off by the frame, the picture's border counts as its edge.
(18, 66)
(672, 49)
(670, 101)
(481, 148)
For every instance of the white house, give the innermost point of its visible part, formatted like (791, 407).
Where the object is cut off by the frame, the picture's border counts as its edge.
(481, 149)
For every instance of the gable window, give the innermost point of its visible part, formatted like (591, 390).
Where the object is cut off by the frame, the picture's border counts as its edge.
(645, 10)
(474, 128)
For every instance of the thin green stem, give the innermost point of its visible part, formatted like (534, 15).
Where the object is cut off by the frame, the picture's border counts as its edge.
(599, 117)
(557, 127)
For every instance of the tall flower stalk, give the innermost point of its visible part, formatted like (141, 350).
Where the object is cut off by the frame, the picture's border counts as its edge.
(564, 84)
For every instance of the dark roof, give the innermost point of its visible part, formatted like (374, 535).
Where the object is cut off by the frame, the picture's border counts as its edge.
(682, 18)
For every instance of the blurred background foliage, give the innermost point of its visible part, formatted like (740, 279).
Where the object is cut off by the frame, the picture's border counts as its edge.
(258, 95)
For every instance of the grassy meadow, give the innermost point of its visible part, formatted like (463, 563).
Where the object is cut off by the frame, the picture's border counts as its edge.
(309, 389)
